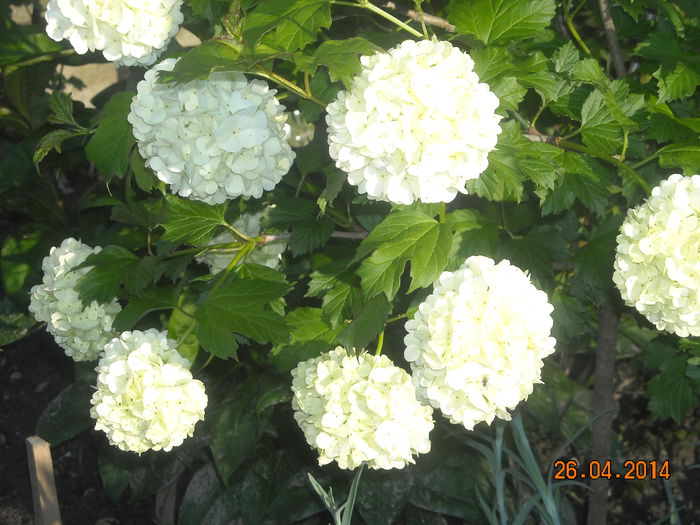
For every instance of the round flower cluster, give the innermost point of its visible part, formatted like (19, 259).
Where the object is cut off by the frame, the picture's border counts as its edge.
(213, 139)
(146, 397)
(657, 264)
(416, 124)
(360, 408)
(267, 255)
(129, 33)
(477, 342)
(81, 330)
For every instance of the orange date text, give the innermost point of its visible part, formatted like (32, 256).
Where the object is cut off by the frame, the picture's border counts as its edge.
(631, 469)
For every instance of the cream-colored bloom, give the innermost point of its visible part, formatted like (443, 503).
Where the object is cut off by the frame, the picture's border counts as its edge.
(356, 409)
(416, 124)
(477, 342)
(657, 264)
(146, 397)
(127, 32)
(82, 331)
(211, 140)
(248, 224)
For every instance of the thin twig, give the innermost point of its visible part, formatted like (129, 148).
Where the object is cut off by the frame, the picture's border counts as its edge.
(336, 234)
(427, 18)
(611, 37)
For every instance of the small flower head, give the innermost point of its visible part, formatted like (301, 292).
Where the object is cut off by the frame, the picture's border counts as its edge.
(477, 342)
(81, 330)
(211, 140)
(657, 262)
(356, 409)
(146, 397)
(128, 33)
(415, 125)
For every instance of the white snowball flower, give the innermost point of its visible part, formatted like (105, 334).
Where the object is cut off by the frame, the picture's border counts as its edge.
(356, 409)
(146, 397)
(249, 224)
(477, 342)
(416, 124)
(82, 331)
(127, 32)
(213, 139)
(657, 264)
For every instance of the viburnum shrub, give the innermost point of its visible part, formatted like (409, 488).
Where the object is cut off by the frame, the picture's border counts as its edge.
(334, 234)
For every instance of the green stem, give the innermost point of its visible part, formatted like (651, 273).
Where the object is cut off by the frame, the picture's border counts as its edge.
(366, 4)
(418, 3)
(625, 143)
(396, 318)
(607, 158)
(537, 115)
(443, 213)
(380, 343)
(645, 161)
(209, 360)
(570, 24)
(237, 232)
(271, 75)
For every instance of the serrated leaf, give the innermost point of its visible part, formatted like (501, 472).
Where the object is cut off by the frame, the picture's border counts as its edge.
(671, 392)
(308, 230)
(594, 261)
(153, 299)
(583, 180)
(13, 324)
(341, 57)
(61, 106)
(509, 92)
(366, 323)
(295, 22)
(402, 237)
(110, 268)
(492, 63)
(190, 222)
(240, 306)
(202, 490)
(565, 58)
(501, 21)
(111, 144)
(335, 179)
(685, 154)
(537, 250)
(52, 140)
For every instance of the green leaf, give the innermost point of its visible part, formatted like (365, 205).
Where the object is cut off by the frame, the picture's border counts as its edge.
(286, 357)
(403, 236)
(109, 148)
(61, 106)
(153, 299)
(308, 231)
(509, 92)
(341, 57)
(114, 476)
(492, 63)
(20, 261)
(501, 21)
(537, 250)
(295, 22)
(202, 490)
(684, 154)
(201, 60)
(677, 80)
(366, 324)
(583, 180)
(14, 325)
(110, 268)
(594, 261)
(190, 222)
(565, 58)
(27, 45)
(52, 141)
(237, 431)
(240, 306)
(598, 128)
(671, 392)
(334, 284)
(179, 326)
(336, 180)
(67, 415)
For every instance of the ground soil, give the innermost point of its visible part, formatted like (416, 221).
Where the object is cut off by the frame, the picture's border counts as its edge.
(32, 372)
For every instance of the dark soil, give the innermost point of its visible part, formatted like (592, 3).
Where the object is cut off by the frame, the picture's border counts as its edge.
(32, 372)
